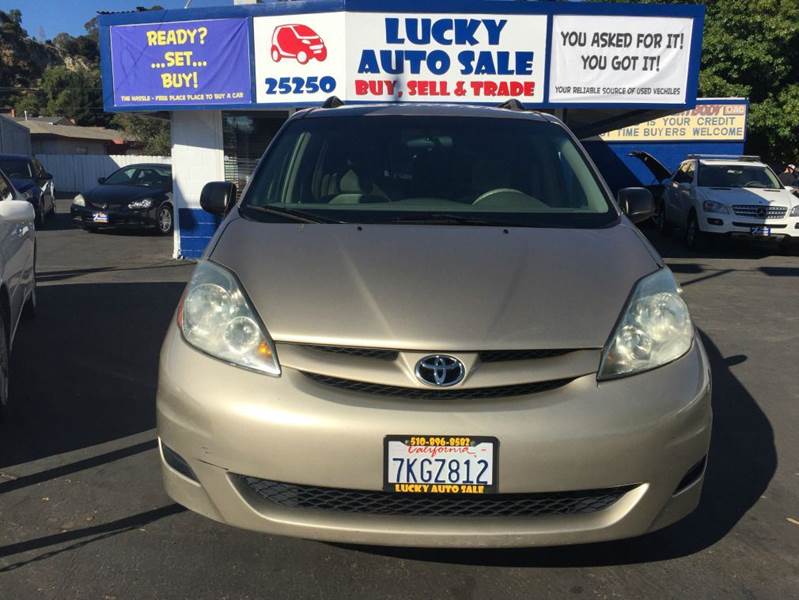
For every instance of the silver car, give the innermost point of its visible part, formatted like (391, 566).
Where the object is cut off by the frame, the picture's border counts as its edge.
(433, 326)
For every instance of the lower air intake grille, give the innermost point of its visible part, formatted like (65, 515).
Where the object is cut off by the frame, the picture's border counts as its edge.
(437, 394)
(384, 503)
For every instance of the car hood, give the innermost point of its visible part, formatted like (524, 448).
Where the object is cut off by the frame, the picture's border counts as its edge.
(658, 170)
(114, 195)
(22, 185)
(436, 287)
(755, 196)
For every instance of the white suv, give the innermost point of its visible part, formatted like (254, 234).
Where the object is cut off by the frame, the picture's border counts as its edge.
(732, 195)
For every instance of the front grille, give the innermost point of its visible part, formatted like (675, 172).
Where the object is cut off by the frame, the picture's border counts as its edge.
(437, 394)
(759, 211)
(360, 352)
(504, 355)
(385, 503)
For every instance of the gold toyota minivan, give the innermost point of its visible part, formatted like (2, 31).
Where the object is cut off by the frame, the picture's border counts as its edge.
(432, 325)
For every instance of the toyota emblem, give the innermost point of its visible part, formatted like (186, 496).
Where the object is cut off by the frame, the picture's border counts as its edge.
(440, 369)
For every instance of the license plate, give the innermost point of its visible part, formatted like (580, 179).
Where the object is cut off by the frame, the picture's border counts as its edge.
(761, 231)
(440, 464)
(100, 217)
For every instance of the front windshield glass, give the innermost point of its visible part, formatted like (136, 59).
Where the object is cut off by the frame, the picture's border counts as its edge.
(737, 176)
(388, 169)
(16, 168)
(147, 176)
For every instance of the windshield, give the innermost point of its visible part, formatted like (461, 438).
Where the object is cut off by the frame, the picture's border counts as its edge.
(304, 32)
(393, 169)
(737, 176)
(17, 168)
(146, 176)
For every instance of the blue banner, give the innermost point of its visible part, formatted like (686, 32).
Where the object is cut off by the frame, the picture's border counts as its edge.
(186, 63)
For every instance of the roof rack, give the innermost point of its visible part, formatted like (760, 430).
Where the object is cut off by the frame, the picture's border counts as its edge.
(332, 102)
(512, 104)
(741, 157)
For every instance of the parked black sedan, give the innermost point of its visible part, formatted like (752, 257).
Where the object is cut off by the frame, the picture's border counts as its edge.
(32, 181)
(133, 197)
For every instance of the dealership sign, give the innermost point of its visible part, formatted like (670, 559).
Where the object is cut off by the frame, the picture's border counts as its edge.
(609, 60)
(273, 54)
(709, 121)
(181, 64)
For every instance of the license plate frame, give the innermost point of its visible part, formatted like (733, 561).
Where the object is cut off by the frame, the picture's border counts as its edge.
(435, 488)
(760, 231)
(100, 217)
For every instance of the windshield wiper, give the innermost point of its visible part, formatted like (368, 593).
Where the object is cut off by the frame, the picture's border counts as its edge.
(446, 219)
(297, 215)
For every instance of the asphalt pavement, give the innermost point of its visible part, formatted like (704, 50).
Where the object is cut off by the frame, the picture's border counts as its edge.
(83, 514)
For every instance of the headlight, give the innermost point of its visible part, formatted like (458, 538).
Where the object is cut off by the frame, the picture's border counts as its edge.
(655, 329)
(711, 206)
(215, 317)
(79, 200)
(146, 203)
(795, 211)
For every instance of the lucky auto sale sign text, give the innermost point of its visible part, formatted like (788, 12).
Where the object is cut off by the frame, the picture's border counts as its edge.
(384, 57)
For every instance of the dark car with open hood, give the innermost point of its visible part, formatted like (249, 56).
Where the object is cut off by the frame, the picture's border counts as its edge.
(32, 181)
(134, 197)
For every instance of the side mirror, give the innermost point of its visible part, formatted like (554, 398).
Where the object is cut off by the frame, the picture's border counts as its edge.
(101, 180)
(637, 203)
(218, 197)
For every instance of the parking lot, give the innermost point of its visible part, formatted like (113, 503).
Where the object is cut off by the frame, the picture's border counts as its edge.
(83, 513)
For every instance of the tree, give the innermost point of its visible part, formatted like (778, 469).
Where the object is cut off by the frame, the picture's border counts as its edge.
(73, 94)
(751, 48)
(154, 132)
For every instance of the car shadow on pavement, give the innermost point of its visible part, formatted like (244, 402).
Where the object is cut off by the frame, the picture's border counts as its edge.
(742, 462)
(85, 370)
(672, 246)
(83, 537)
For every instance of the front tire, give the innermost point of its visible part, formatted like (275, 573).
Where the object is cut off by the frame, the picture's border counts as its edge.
(165, 220)
(662, 222)
(695, 238)
(4, 371)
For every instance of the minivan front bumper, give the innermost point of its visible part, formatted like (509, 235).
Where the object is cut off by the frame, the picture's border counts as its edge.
(646, 436)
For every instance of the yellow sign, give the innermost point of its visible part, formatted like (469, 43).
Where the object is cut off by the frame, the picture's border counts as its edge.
(706, 122)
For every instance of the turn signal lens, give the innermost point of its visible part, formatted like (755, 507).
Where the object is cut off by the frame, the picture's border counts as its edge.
(215, 317)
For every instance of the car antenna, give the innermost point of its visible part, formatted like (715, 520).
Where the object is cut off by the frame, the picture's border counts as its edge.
(512, 104)
(332, 102)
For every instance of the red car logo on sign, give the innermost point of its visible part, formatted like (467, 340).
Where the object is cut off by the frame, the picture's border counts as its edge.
(299, 42)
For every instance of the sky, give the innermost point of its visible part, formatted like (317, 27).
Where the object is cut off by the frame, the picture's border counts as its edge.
(54, 16)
